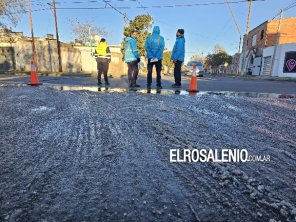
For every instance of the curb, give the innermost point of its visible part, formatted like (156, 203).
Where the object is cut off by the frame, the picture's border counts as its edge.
(48, 74)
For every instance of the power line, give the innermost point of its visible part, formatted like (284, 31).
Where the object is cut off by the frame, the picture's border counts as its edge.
(110, 1)
(116, 9)
(146, 7)
(170, 6)
(291, 5)
(128, 7)
(142, 6)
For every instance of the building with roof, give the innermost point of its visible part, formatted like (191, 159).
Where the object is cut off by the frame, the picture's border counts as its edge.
(273, 43)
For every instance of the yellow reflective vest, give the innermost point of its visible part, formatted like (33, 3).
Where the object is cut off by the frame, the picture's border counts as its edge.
(101, 49)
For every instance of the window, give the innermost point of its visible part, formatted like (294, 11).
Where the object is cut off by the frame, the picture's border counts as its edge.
(262, 34)
(254, 40)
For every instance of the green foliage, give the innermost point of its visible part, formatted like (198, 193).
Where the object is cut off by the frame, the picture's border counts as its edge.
(167, 60)
(217, 59)
(142, 24)
(218, 48)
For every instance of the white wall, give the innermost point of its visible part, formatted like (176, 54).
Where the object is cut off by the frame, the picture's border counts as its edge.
(88, 61)
(278, 69)
(256, 66)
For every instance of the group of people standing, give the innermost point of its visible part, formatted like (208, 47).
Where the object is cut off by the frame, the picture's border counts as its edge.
(154, 46)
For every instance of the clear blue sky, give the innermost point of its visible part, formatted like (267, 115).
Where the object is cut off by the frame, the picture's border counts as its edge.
(204, 26)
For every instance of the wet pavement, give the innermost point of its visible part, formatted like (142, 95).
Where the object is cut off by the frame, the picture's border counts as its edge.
(207, 83)
(156, 91)
(72, 153)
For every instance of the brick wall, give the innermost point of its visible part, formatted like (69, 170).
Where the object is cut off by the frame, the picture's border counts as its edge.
(260, 33)
(266, 33)
(287, 31)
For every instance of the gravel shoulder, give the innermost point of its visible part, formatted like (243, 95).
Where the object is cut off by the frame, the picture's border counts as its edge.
(85, 156)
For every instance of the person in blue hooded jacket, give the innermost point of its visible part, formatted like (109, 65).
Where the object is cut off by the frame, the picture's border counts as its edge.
(154, 52)
(132, 58)
(178, 56)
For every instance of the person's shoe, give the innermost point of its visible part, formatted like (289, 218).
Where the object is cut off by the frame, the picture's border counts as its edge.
(99, 83)
(159, 87)
(107, 84)
(176, 86)
(136, 85)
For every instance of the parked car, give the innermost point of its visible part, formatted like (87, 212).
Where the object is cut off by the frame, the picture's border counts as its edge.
(199, 67)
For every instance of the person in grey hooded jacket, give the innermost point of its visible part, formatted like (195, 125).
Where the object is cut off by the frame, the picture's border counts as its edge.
(154, 52)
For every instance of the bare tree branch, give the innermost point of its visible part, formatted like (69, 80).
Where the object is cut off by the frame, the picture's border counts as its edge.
(11, 12)
(86, 30)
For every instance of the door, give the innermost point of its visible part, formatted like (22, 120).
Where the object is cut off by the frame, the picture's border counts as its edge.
(267, 66)
(7, 59)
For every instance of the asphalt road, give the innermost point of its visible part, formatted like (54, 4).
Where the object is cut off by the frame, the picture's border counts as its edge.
(208, 83)
(89, 156)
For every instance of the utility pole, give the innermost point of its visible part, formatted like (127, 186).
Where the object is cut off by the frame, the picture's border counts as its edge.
(240, 38)
(237, 27)
(57, 35)
(33, 38)
(168, 44)
(245, 47)
(276, 42)
(249, 17)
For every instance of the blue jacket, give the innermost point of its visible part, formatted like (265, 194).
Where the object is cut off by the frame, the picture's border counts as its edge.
(155, 45)
(179, 49)
(131, 53)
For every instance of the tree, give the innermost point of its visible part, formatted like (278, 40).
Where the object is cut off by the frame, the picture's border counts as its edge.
(167, 62)
(213, 61)
(86, 31)
(218, 48)
(218, 58)
(199, 58)
(10, 12)
(142, 24)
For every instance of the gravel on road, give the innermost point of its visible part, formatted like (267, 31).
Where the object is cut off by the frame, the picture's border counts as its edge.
(87, 156)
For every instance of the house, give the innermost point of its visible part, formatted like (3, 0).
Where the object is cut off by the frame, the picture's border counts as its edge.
(261, 53)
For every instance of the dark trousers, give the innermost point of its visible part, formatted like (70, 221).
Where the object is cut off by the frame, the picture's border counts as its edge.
(177, 72)
(133, 71)
(103, 67)
(158, 66)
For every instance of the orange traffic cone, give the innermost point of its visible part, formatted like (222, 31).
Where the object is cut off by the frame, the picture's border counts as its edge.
(193, 82)
(34, 78)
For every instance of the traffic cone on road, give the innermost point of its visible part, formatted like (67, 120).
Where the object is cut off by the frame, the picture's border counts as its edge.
(193, 81)
(34, 78)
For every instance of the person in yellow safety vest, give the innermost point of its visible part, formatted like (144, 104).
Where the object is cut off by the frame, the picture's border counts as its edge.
(103, 60)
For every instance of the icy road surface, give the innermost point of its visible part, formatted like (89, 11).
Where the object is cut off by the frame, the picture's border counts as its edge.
(87, 156)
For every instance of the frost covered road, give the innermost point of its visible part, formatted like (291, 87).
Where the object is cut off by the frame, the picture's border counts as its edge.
(86, 156)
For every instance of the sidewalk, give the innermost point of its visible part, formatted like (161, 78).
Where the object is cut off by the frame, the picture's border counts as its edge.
(23, 73)
(252, 77)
